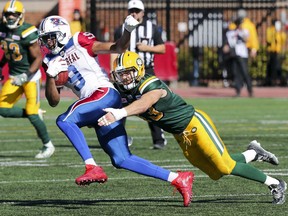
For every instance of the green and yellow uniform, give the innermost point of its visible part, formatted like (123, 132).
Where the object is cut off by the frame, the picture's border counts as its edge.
(193, 129)
(15, 44)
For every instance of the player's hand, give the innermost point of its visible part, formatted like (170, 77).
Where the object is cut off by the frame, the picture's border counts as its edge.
(20, 79)
(130, 23)
(111, 116)
(56, 66)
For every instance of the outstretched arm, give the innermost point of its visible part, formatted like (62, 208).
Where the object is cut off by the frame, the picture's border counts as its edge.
(137, 107)
(121, 44)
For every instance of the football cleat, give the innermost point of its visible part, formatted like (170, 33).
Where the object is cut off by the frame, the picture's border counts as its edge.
(46, 152)
(92, 174)
(183, 183)
(159, 145)
(262, 154)
(278, 192)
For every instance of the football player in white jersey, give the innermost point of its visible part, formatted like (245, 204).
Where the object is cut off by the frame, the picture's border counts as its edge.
(78, 55)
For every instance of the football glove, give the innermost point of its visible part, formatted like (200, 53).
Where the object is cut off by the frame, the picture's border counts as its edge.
(56, 66)
(20, 79)
(130, 23)
(117, 113)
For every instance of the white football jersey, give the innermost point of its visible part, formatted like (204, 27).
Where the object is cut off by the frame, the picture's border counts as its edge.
(85, 73)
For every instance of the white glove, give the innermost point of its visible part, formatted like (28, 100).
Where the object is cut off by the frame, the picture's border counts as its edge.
(117, 113)
(56, 66)
(130, 23)
(20, 79)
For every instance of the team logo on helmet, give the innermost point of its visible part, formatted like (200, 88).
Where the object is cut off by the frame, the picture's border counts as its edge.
(139, 62)
(57, 21)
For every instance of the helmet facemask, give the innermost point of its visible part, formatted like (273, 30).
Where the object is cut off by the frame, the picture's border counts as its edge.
(52, 41)
(127, 78)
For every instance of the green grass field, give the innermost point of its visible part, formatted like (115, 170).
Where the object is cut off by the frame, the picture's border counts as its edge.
(46, 187)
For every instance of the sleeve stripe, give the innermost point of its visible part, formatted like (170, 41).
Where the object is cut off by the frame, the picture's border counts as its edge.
(146, 83)
(29, 31)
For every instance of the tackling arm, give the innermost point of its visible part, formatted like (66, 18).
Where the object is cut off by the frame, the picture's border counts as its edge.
(137, 107)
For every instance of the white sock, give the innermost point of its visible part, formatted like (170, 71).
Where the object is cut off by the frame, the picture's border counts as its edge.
(249, 155)
(90, 161)
(172, 176)
(271, 181)
(49, 144)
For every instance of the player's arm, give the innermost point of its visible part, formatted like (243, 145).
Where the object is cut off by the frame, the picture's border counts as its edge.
(137, 107)
(52, 93)
(121, 44)
(35, 54)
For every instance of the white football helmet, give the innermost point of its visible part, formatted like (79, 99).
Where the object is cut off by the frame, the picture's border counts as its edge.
(54, 33)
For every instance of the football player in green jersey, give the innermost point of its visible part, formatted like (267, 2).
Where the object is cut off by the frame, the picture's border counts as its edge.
(149, 98)
(22, 53)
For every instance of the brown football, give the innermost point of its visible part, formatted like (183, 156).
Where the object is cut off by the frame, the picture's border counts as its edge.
(61, 78)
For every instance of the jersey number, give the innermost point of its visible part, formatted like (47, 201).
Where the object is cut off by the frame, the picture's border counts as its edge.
(12, 51)
(76, 78)
(155, 114)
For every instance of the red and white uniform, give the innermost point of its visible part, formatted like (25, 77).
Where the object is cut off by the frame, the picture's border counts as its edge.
(85, 73)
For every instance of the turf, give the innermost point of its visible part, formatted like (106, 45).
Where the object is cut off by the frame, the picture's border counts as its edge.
(46, 187)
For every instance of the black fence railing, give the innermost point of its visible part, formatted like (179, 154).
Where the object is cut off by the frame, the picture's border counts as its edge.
(197, 29)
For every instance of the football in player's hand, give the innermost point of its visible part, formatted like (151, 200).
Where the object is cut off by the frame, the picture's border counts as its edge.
(61, 78)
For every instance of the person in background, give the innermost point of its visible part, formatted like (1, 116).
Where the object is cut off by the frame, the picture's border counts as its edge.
(77, 24)
(275, 39)
(149, 98)
(102, 32)
(78, 54)
(235, 46)
(252, 41)
(23, 55)
(146, 40)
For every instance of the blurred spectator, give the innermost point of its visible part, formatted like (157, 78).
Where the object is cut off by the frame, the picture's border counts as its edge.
(236, 47)
(102, 32)
(77, 24)
(252, 41)
(275, 39)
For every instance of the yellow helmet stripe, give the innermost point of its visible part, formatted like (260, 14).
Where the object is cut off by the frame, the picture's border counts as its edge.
(12, 5)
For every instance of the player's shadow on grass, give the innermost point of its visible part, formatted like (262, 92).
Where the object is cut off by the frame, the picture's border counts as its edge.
(140, 202)
(79, 203)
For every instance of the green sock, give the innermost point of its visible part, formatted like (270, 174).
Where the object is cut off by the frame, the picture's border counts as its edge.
(40, 128)
(238, 157)
(249, 172)
(14, 112)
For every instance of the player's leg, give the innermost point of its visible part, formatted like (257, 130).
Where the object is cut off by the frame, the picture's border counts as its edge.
(220, 158)
(9, 96)
(32, 94)
(113, 140)
(158, 137)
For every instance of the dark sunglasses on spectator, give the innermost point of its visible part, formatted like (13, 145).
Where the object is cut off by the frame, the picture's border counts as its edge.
(134, 10)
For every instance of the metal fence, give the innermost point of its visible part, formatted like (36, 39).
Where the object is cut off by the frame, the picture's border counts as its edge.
(197, 29)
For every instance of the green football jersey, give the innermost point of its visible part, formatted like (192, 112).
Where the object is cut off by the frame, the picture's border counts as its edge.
(171, 113)
(15, 44)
